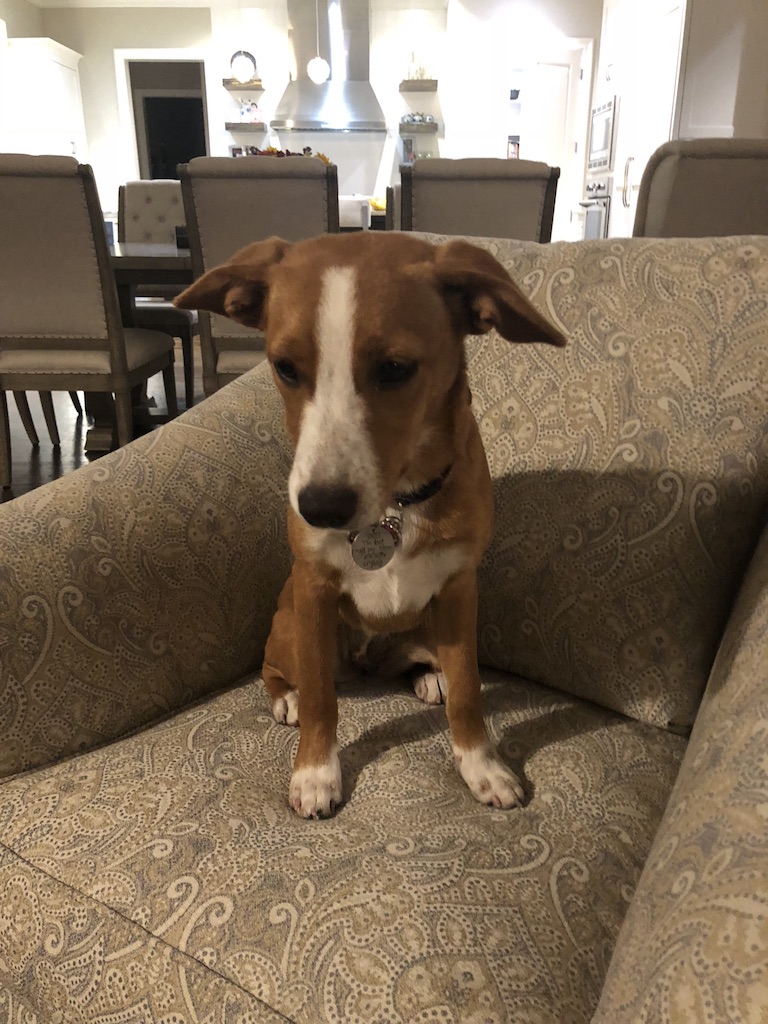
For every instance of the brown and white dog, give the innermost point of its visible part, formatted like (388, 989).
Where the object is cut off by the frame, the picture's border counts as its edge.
(391, 500)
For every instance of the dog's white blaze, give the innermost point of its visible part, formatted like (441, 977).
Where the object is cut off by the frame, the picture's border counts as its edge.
(334, 446)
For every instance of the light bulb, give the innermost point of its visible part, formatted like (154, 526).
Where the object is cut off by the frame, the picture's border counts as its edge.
(319, 70)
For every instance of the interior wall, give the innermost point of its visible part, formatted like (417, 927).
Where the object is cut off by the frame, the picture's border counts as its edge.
(97, 33)
(724, 84)
(471, 46)
(21, 18)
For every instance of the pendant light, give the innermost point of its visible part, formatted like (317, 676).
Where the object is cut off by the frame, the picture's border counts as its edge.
(318, 69)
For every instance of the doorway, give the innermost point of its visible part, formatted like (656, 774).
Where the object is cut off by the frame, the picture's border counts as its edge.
(555, 118)
(175, 132)
(169, 114)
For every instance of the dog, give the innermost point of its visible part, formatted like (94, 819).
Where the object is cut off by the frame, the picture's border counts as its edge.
(390, 496)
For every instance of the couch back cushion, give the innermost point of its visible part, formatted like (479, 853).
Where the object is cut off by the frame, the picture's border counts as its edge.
(631, 468)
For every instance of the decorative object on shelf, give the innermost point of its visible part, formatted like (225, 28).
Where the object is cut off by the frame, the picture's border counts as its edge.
(243, 66)
(249, 112)
(274, 151)
(416, 72)
(318, 69)
(417, 123)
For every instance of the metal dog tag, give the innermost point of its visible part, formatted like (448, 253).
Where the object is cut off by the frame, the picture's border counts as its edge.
(374, 546)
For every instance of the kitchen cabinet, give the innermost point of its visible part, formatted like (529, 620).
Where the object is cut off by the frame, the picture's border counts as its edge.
(639, 63)
(45, 114)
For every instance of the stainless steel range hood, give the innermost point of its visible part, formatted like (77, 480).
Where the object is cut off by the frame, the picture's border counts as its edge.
(345, 103)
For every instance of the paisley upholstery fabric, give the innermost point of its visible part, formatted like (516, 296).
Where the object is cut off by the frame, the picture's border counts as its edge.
(150, 868)
(144, 580)
(631, 467)
(694, 946)
(173, 853)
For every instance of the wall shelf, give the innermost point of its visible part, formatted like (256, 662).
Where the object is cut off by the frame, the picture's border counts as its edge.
(419, 128)
(418, 85)
(234, 86)
(246, 126)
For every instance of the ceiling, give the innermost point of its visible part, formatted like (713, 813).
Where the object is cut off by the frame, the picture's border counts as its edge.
(384, 5)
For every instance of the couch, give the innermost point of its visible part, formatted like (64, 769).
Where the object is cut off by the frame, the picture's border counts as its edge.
(150, 868)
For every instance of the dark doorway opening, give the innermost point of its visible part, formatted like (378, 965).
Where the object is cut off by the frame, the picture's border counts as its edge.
(175, 128)
(169, 112)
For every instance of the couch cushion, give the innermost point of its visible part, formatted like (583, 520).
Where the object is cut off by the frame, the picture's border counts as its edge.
(631, 468)
(173, 854)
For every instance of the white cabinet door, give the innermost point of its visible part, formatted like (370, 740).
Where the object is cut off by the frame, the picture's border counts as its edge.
(45, 108)
(647, 87)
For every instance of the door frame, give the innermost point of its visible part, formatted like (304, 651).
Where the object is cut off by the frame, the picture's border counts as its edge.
(128, 136)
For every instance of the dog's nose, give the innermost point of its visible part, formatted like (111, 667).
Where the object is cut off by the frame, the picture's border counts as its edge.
(329, 508)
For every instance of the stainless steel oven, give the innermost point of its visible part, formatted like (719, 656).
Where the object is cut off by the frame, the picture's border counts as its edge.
(597, 207)
(602, 136)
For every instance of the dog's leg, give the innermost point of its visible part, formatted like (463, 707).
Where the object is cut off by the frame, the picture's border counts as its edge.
(315, 788)
(279, 670)
(455, 621)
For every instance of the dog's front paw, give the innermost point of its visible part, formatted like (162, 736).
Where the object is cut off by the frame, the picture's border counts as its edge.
(431, 687)
(286, 708)
(315, 792)
(490, 781)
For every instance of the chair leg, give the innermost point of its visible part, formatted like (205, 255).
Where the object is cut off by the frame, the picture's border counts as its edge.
(5, 443)
(124, 417)
(169, 381)
(188, 358)
(46, 400)
(22, 405)
(76, 402)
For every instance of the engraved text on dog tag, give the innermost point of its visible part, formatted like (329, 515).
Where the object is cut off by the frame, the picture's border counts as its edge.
(375, 545)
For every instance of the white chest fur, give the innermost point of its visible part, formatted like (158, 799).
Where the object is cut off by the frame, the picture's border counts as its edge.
(405, 585)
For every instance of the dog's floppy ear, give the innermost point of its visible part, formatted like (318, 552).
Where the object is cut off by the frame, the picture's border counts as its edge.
(237, 289)
(481, 295)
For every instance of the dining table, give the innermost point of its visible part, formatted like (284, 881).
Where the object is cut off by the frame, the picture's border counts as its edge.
(133, 264)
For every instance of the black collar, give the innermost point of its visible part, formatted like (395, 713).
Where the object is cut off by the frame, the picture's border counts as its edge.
(428, 490)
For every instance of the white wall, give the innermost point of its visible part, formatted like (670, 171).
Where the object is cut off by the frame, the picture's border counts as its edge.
(467, 44)
(724, 84)
(97, 33)
(21, 18)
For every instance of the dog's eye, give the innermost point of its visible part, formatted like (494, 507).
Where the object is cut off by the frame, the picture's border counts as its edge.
(393, 373)
(287, 372)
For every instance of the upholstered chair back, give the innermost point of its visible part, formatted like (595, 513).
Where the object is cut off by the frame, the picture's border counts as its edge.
(56, 283)
(150, 211)
(230, 203)
(703, 188)
(484, 197)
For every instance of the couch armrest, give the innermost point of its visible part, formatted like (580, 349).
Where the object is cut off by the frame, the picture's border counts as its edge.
(145, 580)
(694, 944)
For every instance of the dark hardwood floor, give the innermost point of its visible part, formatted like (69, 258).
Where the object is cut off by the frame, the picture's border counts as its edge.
(35, 466)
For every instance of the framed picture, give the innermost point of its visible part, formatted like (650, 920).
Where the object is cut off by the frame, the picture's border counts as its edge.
(236, 151)
(513, 147)
(408, 154)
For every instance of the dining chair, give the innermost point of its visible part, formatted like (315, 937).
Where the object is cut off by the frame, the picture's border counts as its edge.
(479, 196)
(60, 327)
(151, 211)
(700, 188)
(229, 203)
